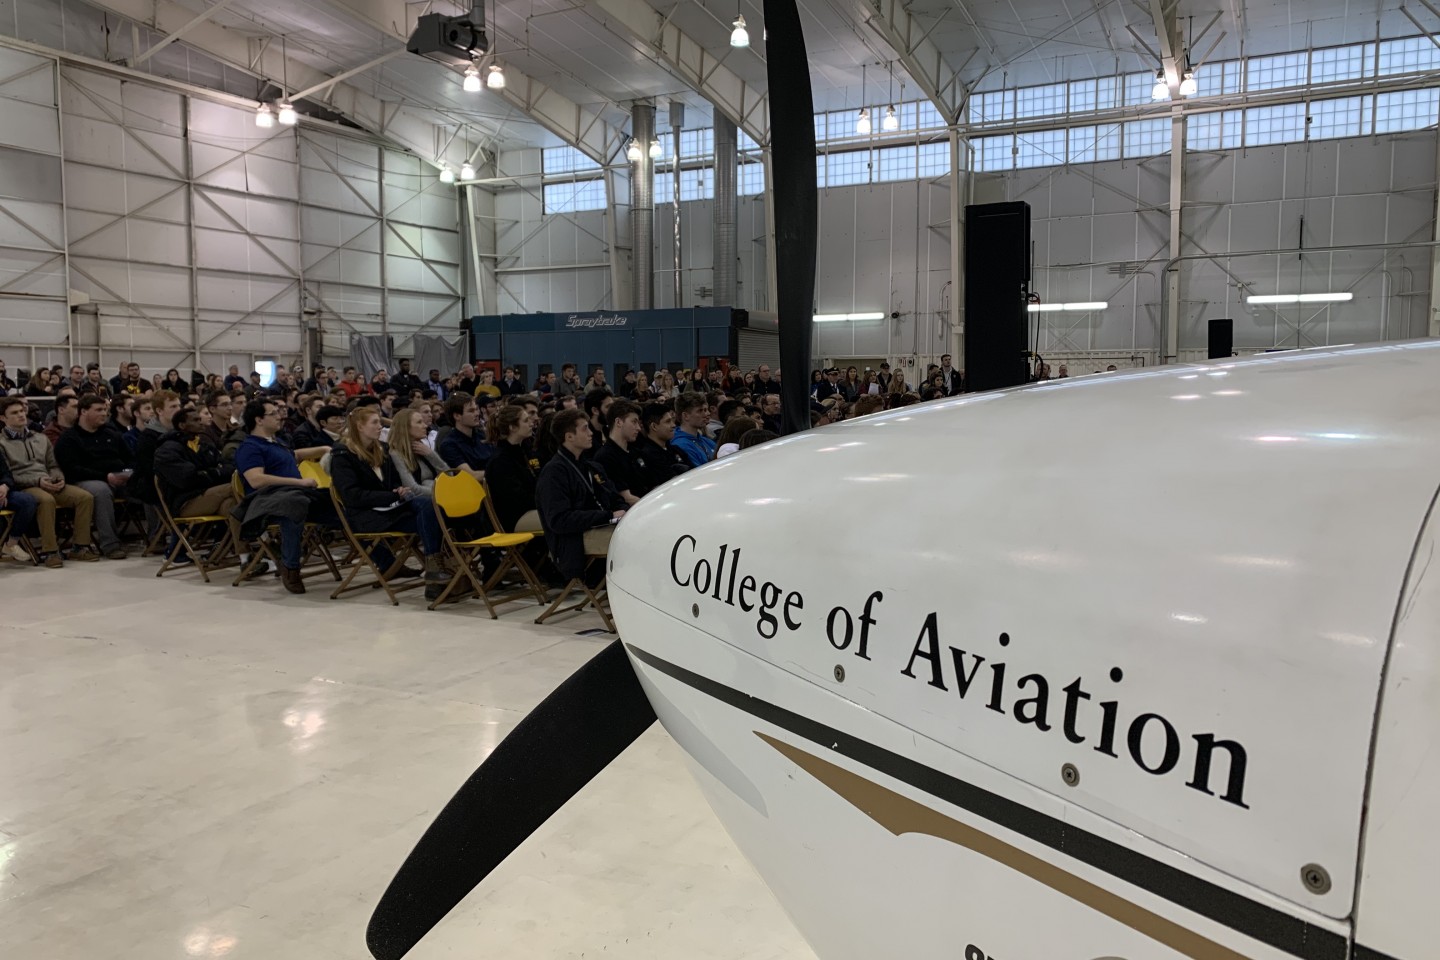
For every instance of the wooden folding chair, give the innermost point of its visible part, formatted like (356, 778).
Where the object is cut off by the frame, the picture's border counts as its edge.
(202, 529)
(363, 547)
(594, 596)
(264, 547)
(459, 496)
(7, 529)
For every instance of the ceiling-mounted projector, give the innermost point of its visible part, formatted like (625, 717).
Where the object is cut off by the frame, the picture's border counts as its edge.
(453, 41)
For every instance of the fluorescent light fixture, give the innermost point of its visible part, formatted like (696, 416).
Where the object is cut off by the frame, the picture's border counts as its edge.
(739, 37)
(1078, 307)
(472, 82)
(1302, 298)
(446, 174)
(286, 114)
(837, 317)
(467, 171)
(263, 117)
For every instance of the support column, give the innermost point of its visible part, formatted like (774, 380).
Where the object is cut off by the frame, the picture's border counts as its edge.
(1434, 304)
(958, 178)
(677, 123)
(642, 208)
(772, 288)
(1170, 349)
(726, 239)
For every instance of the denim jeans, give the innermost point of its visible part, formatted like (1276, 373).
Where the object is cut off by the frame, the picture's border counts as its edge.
(24, 506)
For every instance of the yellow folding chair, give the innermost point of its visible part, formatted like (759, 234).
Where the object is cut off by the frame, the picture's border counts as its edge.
(193, 532)
(362, 550)
(263, 548)
(458, 496)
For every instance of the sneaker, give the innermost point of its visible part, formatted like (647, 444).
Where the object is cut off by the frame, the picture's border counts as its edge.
(85, 553)
(117, 554)
(53, 559)
(183, 560)
(16, 552)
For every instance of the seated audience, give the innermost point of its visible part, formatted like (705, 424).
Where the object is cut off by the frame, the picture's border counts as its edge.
(188, 465)
(96, 459)
(66, 411)
(41, 384)
(22, 504)
(465, 443)
(142, 482)
(656, 459)
(692, 414)
(617, 456)
(512, 471)
(275, 491)
(375, 499)
(417, 464)
(36, 472)
(574, 499)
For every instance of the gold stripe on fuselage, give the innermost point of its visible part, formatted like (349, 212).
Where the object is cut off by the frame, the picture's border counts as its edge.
(900, 815)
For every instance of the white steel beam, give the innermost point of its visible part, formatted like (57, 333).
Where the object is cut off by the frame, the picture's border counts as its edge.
(917, 53)
(706, 73)
(180, 31)
(1172, 46)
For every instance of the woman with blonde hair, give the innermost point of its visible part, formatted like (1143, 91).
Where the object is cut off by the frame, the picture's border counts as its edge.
(897, 382)
(415, 460)
(377, 500)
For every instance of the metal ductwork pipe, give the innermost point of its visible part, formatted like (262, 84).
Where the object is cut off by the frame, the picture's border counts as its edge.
(642, 208)
(677, 121)
(726, 241)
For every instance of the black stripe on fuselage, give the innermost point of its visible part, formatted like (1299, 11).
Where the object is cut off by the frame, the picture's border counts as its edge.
(1263, 923)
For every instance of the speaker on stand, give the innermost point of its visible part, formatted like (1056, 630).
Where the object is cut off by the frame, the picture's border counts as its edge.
(997, 278)
(1222, 339)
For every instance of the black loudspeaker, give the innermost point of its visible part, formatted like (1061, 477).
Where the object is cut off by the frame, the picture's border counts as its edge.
(1222, 339)
(997, 275)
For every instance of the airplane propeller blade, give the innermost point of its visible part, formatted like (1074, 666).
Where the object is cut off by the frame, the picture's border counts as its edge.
(557, 749)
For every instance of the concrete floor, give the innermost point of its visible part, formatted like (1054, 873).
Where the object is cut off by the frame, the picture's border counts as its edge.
(208, 771)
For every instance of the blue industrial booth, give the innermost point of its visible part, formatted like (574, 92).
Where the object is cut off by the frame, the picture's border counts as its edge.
(624, 340)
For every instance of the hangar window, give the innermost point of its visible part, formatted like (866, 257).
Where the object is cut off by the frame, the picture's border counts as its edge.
(1405, 110)
(1349, 117)
(1283, 123)
(565, 189)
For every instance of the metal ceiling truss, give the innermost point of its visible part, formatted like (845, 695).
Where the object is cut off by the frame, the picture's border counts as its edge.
(921, 58)
(687, 59)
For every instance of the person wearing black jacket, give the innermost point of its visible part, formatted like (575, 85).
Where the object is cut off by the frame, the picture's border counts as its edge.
(656, 460)
(188, 465)
(405, 381)
(617, 456)
(375, 500)
(512, 471)
(95, 458)
(576, 501)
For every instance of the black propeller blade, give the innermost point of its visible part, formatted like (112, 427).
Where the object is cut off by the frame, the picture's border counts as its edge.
(557, 749)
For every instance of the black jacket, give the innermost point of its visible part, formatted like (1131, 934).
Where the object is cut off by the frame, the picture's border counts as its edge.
(142, 481)
(364, 494)
(185, 473)
(572, 497)
(403, 383)
(657, 464)
(92, 456)
(309, 435)
(510, 475)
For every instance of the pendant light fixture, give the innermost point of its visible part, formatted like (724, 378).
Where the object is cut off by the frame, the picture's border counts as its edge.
(446, 174)
(1161, 90)
(286, 114)
(739, 37)
(496, 78)
(633, 152)
(1188, 86)
(862, 119)
(472, 79)
(284, 110)
(264, 117)
(467, 171)
(655, 152)
(891, 122)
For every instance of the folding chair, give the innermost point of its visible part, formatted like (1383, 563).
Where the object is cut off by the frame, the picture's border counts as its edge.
(263, 547)
(593, 596)
(362, 549)
(457, 496)
(203, 530)
(7, 528)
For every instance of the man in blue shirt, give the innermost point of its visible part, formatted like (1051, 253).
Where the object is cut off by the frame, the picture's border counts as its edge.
(692, 413)
(275, 490)
(465, 445)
